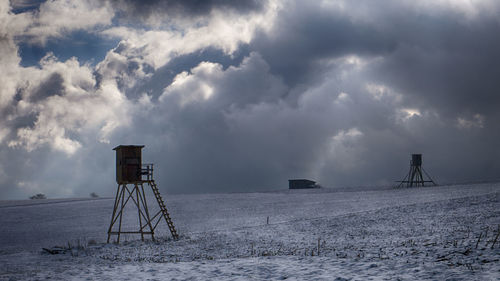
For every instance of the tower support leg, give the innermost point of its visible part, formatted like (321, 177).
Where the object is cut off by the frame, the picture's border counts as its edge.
(415, 177)
(136, 189)
(137, 194)
(124, 194)
(146, 211)
(122, 206)
(115, 208)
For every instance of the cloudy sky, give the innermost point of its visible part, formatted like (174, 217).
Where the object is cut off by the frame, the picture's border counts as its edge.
(232, 96)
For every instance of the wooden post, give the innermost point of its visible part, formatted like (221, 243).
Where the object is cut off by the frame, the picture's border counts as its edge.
(136, 188)
(121, 213)
(115, 206)
(319, 241)
(146, 210)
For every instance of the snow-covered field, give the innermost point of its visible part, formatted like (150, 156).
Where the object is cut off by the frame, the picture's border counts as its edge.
(438, 233)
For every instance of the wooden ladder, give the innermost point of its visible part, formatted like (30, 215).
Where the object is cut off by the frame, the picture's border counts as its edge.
(163, 209)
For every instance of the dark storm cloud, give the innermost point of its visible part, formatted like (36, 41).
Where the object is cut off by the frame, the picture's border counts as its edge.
(439, 62)
(174, 8)
(454, 69)
(439, 58)
(305, 33)
(204, 153)
(341, 92)
(50, 87)
(19, 6)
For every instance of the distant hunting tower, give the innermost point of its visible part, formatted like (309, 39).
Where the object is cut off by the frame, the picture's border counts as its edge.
(131, 171)
(414, 176)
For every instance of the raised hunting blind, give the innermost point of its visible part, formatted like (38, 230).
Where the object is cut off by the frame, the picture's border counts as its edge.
(131, 171)
(128, 163)
(415, 177)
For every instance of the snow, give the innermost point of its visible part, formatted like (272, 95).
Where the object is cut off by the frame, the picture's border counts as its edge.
(406, 234)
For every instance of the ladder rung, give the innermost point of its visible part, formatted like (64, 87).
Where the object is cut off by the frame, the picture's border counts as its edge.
(163, 209)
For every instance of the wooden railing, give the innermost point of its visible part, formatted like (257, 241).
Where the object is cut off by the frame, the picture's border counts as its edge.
(147, 171)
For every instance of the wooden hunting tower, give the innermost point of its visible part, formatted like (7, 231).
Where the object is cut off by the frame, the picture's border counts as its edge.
(128, 163)
(415, 178)
(131, 171)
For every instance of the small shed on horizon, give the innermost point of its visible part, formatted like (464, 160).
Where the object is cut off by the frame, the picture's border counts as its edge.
(301, 184)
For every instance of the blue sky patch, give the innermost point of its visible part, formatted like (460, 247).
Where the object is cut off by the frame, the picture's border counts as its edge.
(87, 47)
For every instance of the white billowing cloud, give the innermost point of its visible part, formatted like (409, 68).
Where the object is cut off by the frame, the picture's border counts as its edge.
(118, 67)
(58, 17)
(61, 99)
(58, 112)
(9, 59)
(246, 84)
(195, 86)
(69, 109)
(221, 29)
(47, 131)
(9, 66)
